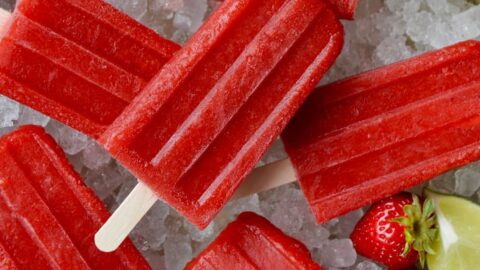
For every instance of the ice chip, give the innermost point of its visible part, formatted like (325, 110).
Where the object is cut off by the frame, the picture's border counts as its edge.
(94, 156)
(312, 235)
(468, 23)
(105, 180)
(467, 182)
(347, 222)
(9, 112)
(195, 10)
(178, 251)
(151, 232)
(367, 266)
(200, 235)
(69, 139)
(338, 253)
(393, 49)
(442, 7)
(30, 116)
(444, 183)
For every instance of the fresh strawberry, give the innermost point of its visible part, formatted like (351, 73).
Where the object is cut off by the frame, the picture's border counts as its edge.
(396, 231)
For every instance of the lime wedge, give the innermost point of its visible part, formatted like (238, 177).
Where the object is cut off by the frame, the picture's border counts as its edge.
(458, 244)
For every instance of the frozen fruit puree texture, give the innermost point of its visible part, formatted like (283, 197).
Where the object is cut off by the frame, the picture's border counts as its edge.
(252, 242)
(372, 135)
(48, 217)
(6, 262)
(208, 116)
(78, 61)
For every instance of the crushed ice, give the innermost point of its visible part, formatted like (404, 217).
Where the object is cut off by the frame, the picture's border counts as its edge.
(384, 32)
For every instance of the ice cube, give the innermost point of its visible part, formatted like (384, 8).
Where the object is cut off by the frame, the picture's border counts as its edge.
(155, 259)
(366, 265)
(151, 232)
(467, 23)
(418, 26)
(337, 253)
(9, 112)
(200, 235)
(173, 5)
(346, 223)
(178, 251)
(30, 116)
(442, 7)
(95, 156)
(287, 208)
(105, 180)
(232, 209)
(134, 8)
(444, 183)
(69, 139)
(195, 10)
(467, 182)
(393, 49)
(312, 235)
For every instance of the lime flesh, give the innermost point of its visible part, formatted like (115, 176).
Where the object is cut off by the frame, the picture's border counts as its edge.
(458, 244)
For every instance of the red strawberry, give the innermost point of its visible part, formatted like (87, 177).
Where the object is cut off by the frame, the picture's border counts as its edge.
(392, 227)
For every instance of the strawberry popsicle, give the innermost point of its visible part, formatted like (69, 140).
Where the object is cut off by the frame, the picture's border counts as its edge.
(78, 61)
(6, 261)
(113, 62)
(345, 9)
(370, 136)
(208, 116)
(252, 242)
(48, 217)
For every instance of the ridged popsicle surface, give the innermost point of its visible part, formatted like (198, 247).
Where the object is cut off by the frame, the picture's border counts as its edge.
(48, 216)
(205, 120)
(252, 243)
(372, 135)
(78, 61)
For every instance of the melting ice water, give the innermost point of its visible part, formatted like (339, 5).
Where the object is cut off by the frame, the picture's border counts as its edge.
(384, 31)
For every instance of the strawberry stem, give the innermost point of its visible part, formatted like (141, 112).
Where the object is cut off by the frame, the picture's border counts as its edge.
(420, 229)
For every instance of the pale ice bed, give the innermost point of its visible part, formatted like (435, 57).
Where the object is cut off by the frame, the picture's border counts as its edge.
(383, 32)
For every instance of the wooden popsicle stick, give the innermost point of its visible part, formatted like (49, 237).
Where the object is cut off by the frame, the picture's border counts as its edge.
(141, 199)
(125, 218)
(4, 16)
(267, 177)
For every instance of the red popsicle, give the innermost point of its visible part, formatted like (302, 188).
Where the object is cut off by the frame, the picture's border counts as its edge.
(252, 242)
(78, 61)
(205, 120)
(82, 61)
(48, 217)
(345, 8)
(6, 261)
(370, 136)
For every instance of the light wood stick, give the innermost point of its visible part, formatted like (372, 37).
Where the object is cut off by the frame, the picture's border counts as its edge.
(141, 199)
(125, 218)
(4, 16)
(267, 177)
